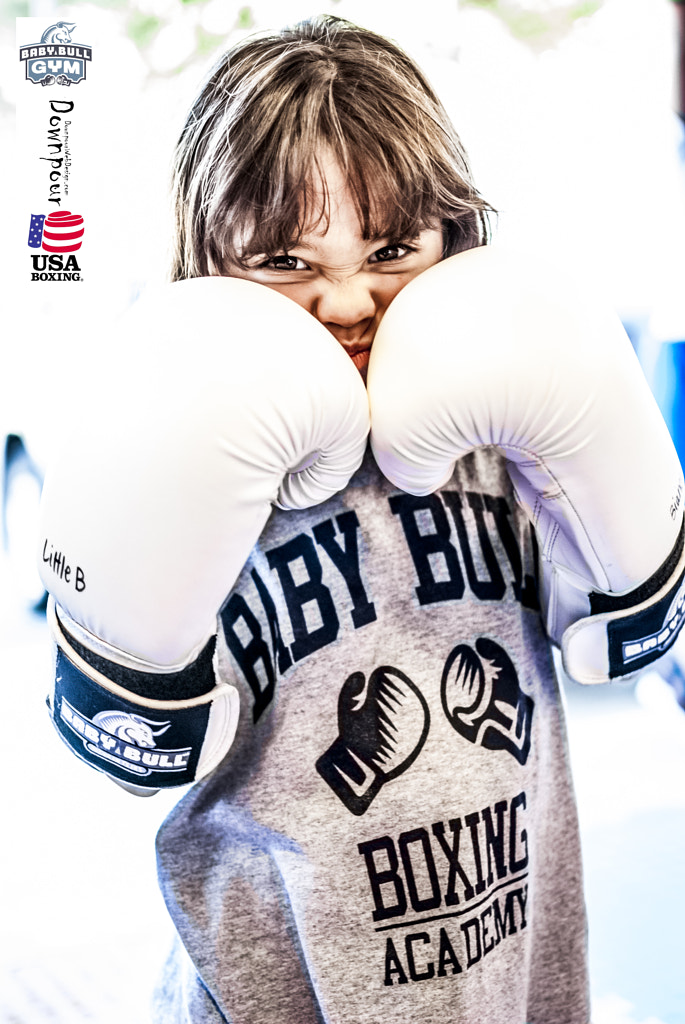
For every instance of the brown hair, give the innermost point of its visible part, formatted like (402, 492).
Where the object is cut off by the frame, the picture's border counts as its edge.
(248, 154)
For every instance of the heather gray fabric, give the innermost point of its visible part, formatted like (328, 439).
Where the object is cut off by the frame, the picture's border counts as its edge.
(393, 837)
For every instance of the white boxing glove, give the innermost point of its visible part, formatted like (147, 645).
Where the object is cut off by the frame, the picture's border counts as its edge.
(490, 349)
(217, 399)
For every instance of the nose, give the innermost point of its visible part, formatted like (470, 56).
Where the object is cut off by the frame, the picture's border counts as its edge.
(346, 307)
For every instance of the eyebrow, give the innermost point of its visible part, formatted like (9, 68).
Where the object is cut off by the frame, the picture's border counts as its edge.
(388, 239)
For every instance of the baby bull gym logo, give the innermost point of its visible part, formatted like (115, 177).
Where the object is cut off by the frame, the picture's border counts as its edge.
(59, 235)
(56, 60)
(127, 740)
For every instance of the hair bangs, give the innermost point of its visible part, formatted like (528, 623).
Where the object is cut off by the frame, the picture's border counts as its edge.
(285, 194)
(249, 166)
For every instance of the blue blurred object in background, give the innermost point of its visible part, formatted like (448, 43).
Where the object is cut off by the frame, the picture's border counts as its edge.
(668, 384)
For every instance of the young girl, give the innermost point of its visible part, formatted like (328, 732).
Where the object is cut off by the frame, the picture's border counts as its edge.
(392, 835)
(363, 854)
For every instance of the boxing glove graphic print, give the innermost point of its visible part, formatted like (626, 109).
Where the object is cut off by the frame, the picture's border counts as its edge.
(483, 700)
(383, 722)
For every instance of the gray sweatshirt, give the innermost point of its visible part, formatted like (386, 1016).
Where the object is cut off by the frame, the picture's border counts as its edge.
(393, 837)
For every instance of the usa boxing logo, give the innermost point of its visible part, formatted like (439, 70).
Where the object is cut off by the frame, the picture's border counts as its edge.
(60, 236)
(124, 739)
(56, 60)
(61, 231)
(383, 724)
(483, 700)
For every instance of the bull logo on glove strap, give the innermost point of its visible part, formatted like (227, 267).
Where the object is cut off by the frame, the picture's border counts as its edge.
(132, 728)
(126, 740)
(483, 700)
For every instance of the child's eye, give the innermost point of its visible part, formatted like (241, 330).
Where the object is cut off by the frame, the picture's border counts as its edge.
(390, 252)
(284, 262)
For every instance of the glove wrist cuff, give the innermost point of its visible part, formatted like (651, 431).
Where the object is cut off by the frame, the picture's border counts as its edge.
(139, 740)
(617, 643)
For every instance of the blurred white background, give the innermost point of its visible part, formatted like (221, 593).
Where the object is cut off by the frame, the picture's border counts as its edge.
(566, 107)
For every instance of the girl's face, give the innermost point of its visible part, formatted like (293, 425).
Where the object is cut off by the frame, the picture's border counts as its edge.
(343, 280)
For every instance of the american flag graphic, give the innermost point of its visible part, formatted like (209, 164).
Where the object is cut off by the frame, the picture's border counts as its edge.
(58, 232)
(36, 230)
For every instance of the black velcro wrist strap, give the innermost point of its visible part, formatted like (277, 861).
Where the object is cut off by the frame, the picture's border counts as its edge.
(617, 643)
(126, 739)
(149, 743)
